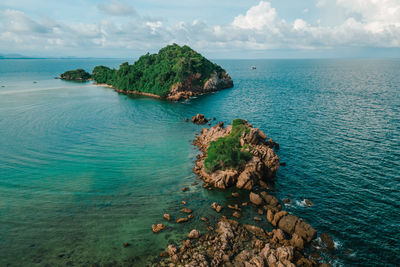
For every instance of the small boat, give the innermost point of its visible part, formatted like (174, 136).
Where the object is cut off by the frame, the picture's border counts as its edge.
(253, 67)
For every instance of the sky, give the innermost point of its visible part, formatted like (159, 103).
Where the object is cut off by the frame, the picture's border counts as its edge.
(218, 29)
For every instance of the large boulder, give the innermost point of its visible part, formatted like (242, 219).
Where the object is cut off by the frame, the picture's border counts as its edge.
(255, 199)
(306, 231)
(288, 223)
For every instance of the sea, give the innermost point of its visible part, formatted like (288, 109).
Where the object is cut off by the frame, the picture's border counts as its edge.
(84, 169)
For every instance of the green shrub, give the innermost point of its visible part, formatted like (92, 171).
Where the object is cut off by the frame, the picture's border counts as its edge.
(226, 152)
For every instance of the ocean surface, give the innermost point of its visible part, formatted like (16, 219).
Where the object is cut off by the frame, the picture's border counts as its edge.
(84, 169)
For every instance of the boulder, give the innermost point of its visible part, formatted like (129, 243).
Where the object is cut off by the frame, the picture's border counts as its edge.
(297, 242)
(255, 230)
(172, 250)
(199, 119)
(327, 241)
(182, 220)
(284, 253)
(216, 207)
(186, 210)
(305, 230)
(270, 216)
(255, 199)
(194, 234)
(278, 216)
(237, 215)
(258, 219)
(157, 228)
(288, 223)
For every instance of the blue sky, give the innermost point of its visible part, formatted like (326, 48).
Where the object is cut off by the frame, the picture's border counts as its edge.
(219, 29)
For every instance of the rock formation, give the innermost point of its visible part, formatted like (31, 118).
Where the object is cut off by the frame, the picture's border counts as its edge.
(263, 165)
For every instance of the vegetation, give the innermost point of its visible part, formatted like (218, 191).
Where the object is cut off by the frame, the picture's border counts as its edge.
(75, 75)
(156, 73)
(226, 152)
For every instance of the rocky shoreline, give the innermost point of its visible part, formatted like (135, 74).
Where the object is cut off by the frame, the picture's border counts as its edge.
(231, 243)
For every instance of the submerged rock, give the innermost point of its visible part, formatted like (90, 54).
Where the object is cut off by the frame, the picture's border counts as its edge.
(157, 228)
(194, 234)
(327, 241)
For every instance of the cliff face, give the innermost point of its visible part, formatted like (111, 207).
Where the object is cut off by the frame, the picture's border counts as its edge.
(217, 81)
(263, 164)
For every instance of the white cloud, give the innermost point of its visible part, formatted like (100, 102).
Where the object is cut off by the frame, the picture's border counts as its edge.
(115, 8)
(259, 28)
(257, 17)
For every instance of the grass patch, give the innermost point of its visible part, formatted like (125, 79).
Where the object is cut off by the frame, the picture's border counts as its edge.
(226, 152)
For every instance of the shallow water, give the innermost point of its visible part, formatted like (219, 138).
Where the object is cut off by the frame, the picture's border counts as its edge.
(84, 169)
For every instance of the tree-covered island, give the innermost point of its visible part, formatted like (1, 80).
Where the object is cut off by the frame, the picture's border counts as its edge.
(79, 75)
(173, 73)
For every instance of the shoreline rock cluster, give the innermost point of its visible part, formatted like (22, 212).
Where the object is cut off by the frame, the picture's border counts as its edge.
(231, 243)
(262, 166)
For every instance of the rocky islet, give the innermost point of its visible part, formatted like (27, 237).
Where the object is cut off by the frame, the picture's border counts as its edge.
(234, 244)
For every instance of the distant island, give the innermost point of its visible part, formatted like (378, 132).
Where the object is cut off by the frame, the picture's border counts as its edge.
(79, 75)
(175, 72)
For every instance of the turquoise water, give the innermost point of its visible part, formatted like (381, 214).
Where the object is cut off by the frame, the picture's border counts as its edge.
(83, 169)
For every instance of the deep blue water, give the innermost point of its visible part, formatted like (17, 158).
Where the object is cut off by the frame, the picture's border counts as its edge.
(84, 169)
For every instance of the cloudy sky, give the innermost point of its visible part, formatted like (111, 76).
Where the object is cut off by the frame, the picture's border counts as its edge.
(219, 29)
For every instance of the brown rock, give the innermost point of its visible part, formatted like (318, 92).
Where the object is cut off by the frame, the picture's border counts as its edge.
(286, 201)
(235, 194)
(204, 219)
(236, 215)
(126, 245)
(327, 241)
(216, 207)
(199, 119)
(244, 204)
(183, 202)
(182, 220)
(194, 234)
(255, 199)
(190, 216)
(297, 242)
(277, 217)
(278, 235)
(260, 211)
(288, 223)
(284, 253)
(270, 216)
(308, 202)
(305, 230)
(256, 218)
(157, 228)
(164, 254)
(172, 250)
(186, 210)
(167, 217)
(269, 199)
(259, 232)
(185, 189)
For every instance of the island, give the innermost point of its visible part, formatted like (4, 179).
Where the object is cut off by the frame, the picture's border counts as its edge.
(174, 73)
(79, 75)
(241, 156)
